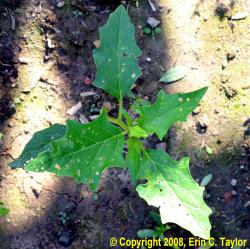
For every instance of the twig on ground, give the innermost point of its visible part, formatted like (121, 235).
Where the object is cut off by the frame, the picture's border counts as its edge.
(13, 22)
(6, 65)
(152, 5)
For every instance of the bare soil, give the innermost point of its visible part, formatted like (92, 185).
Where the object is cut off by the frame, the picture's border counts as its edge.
(46, 63)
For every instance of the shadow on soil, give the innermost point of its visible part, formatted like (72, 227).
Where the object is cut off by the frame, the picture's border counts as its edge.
(69, 215)
(228, 192)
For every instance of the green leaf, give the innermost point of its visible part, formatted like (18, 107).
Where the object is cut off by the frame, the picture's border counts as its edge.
(171, 188)
(157, 30)
(133, 157)
(116, 59)
(147, 31)
(174, 74)
(137, 131)
(84, 152)
(156, 217)
(147, 233)
(3, 210)
(168, 109)
(40, 142)
(138, 104)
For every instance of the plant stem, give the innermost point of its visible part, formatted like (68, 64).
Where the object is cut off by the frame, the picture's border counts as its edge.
(120, 109)
(118, 122)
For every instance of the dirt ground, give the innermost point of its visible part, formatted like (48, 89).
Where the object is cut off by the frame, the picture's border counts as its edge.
(46, 65)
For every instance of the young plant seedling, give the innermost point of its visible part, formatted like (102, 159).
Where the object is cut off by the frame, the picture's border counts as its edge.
(85, 151)
(157, 231)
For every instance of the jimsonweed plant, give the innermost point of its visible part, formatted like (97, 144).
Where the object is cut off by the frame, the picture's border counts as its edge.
(85, 151)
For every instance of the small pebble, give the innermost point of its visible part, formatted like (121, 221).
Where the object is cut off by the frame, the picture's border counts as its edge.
(60, 4)
(224, 64)
(247, 204)
(196, 110)
(233, 182)
(205, 18)
(224, 77)
(87, 81)
(228, 196)
(49, 43)
(66, 238)
(231, 55)
(161, 146)
(26, 131)
(47, 57)
(152, 22)
(148, 59)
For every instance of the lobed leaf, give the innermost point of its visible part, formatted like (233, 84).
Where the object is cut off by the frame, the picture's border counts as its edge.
(40, 142)
(171, 188)
(84, 152)
(168, 109)
(116, 59)
(139, 103)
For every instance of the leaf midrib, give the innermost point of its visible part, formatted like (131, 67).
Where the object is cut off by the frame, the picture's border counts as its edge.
(117, 57)
(163, 113)
(92, 145)
(171, 187)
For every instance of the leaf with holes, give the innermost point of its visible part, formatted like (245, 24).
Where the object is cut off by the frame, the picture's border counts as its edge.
(171, 188)
(84, 152)
(168, 109)
(117, 67)
(40, 142)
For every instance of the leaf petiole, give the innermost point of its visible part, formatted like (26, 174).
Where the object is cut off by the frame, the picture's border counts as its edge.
(128, 119)
(120, 109)
(118, 122)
